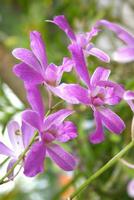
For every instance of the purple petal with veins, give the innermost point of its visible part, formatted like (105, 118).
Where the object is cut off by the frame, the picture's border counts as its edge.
(63, 24)
(124, 54)
(4, 150)
(15, 135)
(97, 136)
(99, 54)
(72, 93)
(10, 165)
(27, 133)
(67, 131)
(111, 120)
(27, 74)
(39, 49)
(34, 162)
(57, 118)
(80, 64)
(129, 98)
(33, 119)
(129, 95)
(62, 158)
(100, 74)
(27, 57)
(123, 34)
(35, 100)
(51, 74)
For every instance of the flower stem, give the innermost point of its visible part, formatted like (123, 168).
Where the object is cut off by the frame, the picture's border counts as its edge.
(18, 161)
(53, 107)
(109, 164)
(4, 161)
(128, 164)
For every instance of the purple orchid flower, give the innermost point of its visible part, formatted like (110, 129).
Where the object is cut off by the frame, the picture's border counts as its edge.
(34, 68)
(51, 129)
(19, 139)
(123, 54)
(99, 93)
(83, 39)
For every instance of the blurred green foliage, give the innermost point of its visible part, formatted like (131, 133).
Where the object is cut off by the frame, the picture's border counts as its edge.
(17, 19)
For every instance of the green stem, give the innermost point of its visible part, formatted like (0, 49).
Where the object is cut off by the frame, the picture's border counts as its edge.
(4, 161)
(109, 164)
(126, 163)
(53, 107)
(18, 161)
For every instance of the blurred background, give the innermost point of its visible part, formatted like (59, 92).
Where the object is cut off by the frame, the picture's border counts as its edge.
(17, 19)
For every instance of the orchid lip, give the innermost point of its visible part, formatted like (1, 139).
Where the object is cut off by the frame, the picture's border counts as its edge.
(96, 97)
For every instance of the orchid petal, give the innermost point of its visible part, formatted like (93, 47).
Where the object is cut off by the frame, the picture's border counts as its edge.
(26, 56)
(27, 74)
(66, 66)
(100, 74)
(131, 104)
(72, 93)
(62, 158)
(48, 137)
(98, 101)
(27, 133)
(34, 162)
(63, 24)
(82, 40)
(97, 136)
(67, 131)
(35, 100)
(129, 95)
(33, 119)
(14, 134)
(112, 121)
(54, 73)
(4, 150)
(10, 165)
(113, 100)
(125, 54)
(112, 96)
(94, 31)
(118, 89)
(51, 74)
(121, 33)
(80, 65)
(56, 118)
(99, 54)
(39, 49)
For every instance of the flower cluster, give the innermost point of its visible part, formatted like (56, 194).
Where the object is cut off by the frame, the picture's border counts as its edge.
(97, 92)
